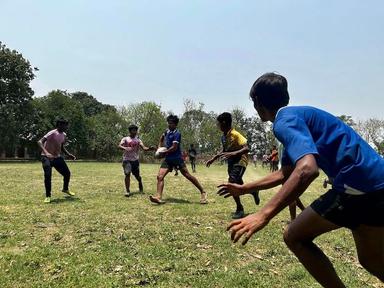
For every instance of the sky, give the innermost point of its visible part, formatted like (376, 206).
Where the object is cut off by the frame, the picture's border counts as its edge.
(123, 52)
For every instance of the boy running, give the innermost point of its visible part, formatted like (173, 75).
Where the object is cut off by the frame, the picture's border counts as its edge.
(173, 159)
(52, 146)
(131, 146)
(235, 150)
(314, 139)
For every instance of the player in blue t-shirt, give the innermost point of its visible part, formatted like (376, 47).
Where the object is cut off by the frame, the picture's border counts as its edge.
(314, 139)
(173, 160)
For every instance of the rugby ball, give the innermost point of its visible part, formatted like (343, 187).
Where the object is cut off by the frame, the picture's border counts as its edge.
(160, 152)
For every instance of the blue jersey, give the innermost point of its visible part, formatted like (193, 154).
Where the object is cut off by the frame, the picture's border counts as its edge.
(170, 138)
(352, 164)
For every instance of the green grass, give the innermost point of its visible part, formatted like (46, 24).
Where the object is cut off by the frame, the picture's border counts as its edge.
(102, 239)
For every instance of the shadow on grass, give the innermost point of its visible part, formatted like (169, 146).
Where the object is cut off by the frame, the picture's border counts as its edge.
(177, 201)
(65, 199)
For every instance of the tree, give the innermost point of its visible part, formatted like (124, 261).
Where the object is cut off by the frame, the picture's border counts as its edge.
(91, 106)
(57, 104)
(16, 74)
(199, 128)
(372, 130)
(148, 117)
(347, 120)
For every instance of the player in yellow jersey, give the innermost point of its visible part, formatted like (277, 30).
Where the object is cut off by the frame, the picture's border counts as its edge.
(235, 150)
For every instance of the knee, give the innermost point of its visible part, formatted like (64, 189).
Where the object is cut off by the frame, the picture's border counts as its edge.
(290, 238)
(160, 178)
(67, 174)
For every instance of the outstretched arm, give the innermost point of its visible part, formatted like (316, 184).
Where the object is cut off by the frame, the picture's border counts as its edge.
(306, 170)
(271, 180)
(145, 148)
(73, 157)
(244, 150)
(161, 141)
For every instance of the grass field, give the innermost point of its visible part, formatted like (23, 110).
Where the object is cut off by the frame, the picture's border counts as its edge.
(102, 239)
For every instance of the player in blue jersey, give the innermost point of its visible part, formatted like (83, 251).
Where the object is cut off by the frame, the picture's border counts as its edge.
(173, 160)
(314, 139)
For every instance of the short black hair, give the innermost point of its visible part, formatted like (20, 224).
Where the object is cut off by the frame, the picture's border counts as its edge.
(173, 118)
(270, 91)
(132, 127)
(60, 121)
(225, 118)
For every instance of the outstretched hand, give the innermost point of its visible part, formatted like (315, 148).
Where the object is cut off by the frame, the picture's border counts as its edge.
(226, 155)
(73, 157)
(231, 189)
(247, 227)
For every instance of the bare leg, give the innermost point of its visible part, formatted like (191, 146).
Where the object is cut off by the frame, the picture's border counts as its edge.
(370, 249)
(127, 182)
(292, 210)
(299, 236)
(160, 182)
(300, 204)
(192, 178)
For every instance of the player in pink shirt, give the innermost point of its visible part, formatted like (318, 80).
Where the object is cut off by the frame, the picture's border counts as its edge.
(52, 146)
(131, 146)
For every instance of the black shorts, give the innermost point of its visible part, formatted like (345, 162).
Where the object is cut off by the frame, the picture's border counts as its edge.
(351, 210)
(171, 164)
(131, 166)
(235, 173)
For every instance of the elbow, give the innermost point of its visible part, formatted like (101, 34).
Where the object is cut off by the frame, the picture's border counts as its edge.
(308, 173)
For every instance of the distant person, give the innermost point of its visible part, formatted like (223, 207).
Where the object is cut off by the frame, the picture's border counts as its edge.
(131, 146)
(173, 159)
(265, 160)
(52, 146)
(274, 159)
(313, 139)
(254, 158)
(235, 150)
(192, 154)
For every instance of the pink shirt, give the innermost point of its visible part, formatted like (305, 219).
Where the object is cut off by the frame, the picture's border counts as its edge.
(54, 140)
(134, 147)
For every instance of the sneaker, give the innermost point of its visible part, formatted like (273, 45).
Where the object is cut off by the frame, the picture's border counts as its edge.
(256, 197)
(47, 200)
(238, 214)
(203, 198)
(68, 192)
(141, 188)
(127, 194)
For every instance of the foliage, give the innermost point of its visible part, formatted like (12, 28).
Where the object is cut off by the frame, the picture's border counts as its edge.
(16, 73)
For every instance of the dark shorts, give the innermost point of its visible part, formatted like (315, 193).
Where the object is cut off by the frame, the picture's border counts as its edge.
(131, 167)
(235, 173)
(351, 210)
(171, 164)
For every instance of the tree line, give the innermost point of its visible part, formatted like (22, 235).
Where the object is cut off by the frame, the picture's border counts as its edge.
(96, 128)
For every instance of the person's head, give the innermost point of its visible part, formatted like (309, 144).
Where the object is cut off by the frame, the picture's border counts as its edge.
(172, 121)
(269, 93)
(62, 124)
(192, 146)
(133, 130)
(224, 121)
(274, 147)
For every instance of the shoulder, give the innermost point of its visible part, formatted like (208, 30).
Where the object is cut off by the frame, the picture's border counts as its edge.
(51, 132)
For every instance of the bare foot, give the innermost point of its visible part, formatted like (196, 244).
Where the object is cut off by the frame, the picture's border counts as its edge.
(156, 200)
(203, 198)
